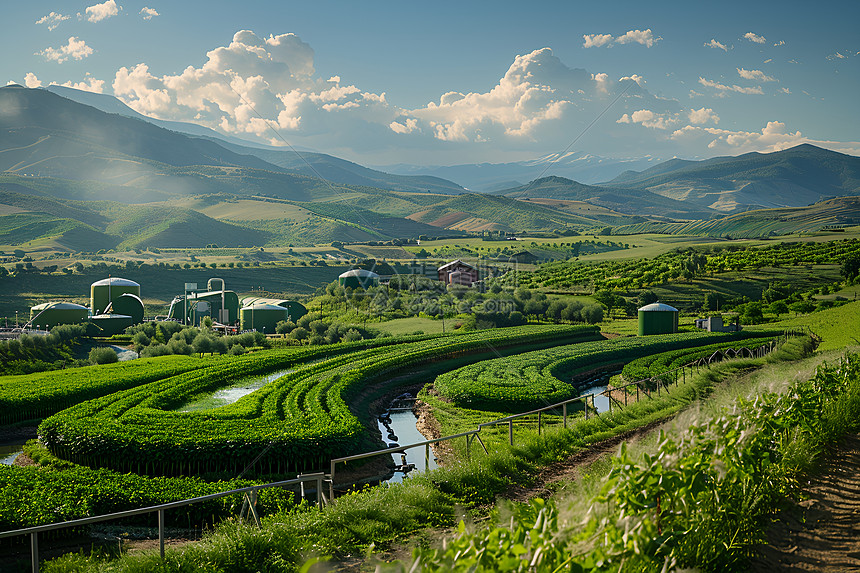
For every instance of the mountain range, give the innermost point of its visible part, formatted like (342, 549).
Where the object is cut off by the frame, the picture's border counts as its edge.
(84, 170)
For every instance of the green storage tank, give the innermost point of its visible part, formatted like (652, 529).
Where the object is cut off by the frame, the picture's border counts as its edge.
(128, 304)
(107, 290)
(658, 318)
(111, 324)
(262, 317)
(295, 310)
(358, 278)
(223, 305)
(50, 314)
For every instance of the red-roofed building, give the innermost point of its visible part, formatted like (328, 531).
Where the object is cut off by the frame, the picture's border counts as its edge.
(458, 273)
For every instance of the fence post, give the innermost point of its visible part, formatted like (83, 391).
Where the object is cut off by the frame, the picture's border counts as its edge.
(161, 532)
(539, 419)
(564, 413)
(625, 396)
(511, 431)
(585, 403)
(34, 551)
(609, 398)
(319, 491)
(468, 448)
(426, 458)
(637, 391)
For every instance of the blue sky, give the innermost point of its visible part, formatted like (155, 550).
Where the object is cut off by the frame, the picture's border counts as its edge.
(460, 82)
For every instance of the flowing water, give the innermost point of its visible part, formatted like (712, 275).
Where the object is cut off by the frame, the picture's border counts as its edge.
(399, 428)
(9, 452)
(232, 393)
(124, 354)
(595, 385)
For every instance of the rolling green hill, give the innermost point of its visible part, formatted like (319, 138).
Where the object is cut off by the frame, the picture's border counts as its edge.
(630, 201)
(794, 177)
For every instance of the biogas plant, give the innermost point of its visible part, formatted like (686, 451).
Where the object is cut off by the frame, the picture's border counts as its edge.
(115, 304)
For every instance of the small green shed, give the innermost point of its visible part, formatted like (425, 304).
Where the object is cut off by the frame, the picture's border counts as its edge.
(358, 278)
(658, 318)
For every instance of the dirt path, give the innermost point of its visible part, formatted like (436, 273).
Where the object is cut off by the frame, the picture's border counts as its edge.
(823, 533)
(569, 468)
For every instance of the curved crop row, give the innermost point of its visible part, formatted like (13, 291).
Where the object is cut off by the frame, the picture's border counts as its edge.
(293, 424)
(653, 365)
(536, 379)
(40, 395)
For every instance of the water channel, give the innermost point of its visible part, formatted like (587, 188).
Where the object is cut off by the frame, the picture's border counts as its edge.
(9, 452)
(230, 394)
(397, 426)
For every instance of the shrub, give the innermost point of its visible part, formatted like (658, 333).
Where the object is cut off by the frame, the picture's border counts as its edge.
(102, 355)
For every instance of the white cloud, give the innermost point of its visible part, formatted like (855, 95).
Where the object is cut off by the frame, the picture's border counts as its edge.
(733, 88)
(649, 119)
(837, 56)
(52, 20)
(103, 11)
(148, 13)
(596, 40)
(715, 44)
(31, 81)
(755, 38)
(635, 77)
(785, 90)
(769, 60)
(644, 37)
(755, 75)
(75, 49)
(702, 116)
(780, 43)
(773, 137)
(407, 126)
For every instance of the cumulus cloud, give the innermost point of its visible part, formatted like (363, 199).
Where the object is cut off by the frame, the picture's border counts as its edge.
(644, 37)
(773, 137)
(757, 75)
(702, 116)
(103, 11)
(722, 88)
(780, 43)
(31, 81)
(715, 44)
(52, 20)
(755, 38)
(76, 49)
(649, 119)
(148, 13)
(596, 40)
(251, 84)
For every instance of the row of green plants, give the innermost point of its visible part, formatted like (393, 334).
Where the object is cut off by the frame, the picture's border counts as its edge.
(540, 378)
(654, 365)
(375, 517)
(42, 394)
(56, 490)
(700, 501)
(293, 424)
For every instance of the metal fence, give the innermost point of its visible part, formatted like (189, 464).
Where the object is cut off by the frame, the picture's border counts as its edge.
(646, 386)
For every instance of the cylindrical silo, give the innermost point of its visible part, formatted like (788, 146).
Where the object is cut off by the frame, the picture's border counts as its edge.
(358, 278)
(262, 317)
(658, 318)
(130, 305)
(295, 310)
(107, 290)
(111, 324)
(50, 314)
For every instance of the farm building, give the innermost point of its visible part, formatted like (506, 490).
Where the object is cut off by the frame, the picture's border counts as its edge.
(127, 304)
(111, 324)
(50, 314)
(458, 273)
(221, 305)
(106, 291)
(358, 278)
(658, 318)
(715, 324)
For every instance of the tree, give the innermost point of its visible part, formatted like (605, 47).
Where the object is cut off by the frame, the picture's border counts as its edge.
(851, 266)
(778, 307)
(646, 297)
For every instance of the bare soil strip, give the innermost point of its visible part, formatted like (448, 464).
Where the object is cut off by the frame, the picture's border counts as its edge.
(822, 533)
